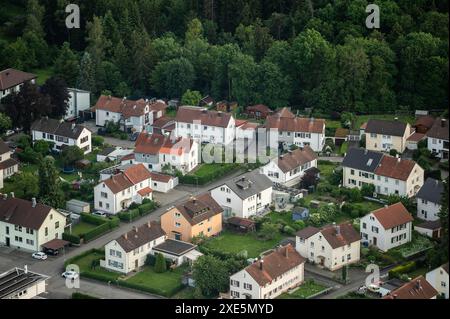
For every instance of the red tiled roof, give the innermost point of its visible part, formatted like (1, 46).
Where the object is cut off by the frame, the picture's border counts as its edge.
(393, 215)
(10, 162)
(285, 113)
(200, 208)
(418, 288)
(145, 191)
(12, 77)
(275, 264)
(295, 124)
(298, 157)
(439, 129)
(426, 120)
(158, 177)
(396, 168)
(128, 157)
(416, 137)
(137, 173)
(346, 236)
(126, 107)
(259, 108)
(131, 176)
(21, 212)
(206, 117)
(156, 143)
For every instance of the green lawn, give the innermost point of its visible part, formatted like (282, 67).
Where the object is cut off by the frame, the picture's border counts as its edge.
(85, 266)
(42, 75)
(343, 149)
(165, 282)
(326, 168)
(82, 228)
(417, 244)
(307, 289)
(208, 169)
(236, 243)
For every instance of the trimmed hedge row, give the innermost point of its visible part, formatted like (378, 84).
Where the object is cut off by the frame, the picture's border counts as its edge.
(97, 231)
(92, 219)
(151, 290)
(79, 295)
(141, 210)
(402, 269)
(74, 239)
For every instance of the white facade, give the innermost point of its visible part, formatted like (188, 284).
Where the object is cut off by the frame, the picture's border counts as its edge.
(103, 116)
(163, 186)
(205, 133)
(438, 146)
(317, 250)
(315, 140)
(384, 239)
(438, 278)
(243, 286)
(27, 239)
(276, 175)
(234, 205)
(107, 201)
(427, 210)
(83, 141)
(117, 259)
(79, 101)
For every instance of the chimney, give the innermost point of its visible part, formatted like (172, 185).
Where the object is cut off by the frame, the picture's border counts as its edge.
(33, 202)
(12, 193)
(25, 268)
(73, 126)
(418, 285)
(286, 251)
(149, 224)
(261, 261)
(443, 122)
(337, 228)
(398, 159)
(135, 229)
(125, 235)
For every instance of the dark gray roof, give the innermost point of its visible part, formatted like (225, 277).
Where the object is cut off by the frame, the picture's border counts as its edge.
(57, 127)
(4, 148)
(174, 247)
(140, 236)
(431, 190)
(362, 159)
(17, 280)
(107, 150)
(249, 184)
(395, 128)
(430, 224)
(21, 212)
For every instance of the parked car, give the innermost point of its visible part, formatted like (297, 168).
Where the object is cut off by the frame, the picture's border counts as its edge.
(101, 214)
(70, 274)
(39, 255)
(134, 136)
(101, 131)
(10, 132)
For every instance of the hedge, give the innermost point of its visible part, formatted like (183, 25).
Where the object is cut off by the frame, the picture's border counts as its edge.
(74, 239)
(129, 215)
(96, 232)
(204, 179)
(151, 290)
(92, 219)
(145, 209)
(82, 255)
(402, 269)
(79, 295)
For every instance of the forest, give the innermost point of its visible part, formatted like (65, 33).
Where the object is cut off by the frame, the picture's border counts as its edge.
(300, 53)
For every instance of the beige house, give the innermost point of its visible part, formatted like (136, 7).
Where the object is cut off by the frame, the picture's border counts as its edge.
(28, 225)
(22, 284)
(269, 277)
(8, 165)
(383, 135)
(389, 174)
(331, 247)
(199, 216)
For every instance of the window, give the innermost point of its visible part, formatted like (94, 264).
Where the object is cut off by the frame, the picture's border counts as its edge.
(56, 225)
(177, 224)
(373, 135)
(234, 294)
(247, 286)
(177, 215)
(18, 228)
(30, 231)
(30, 242)
(228, 200)
(364, 225)
(234, 283)
(46, 231)
(84, 139)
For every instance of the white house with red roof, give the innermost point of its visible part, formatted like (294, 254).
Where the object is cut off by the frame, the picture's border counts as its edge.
(119, 191)
(205, 126)
(387, 227)
(159, 152)
(133, 116)
(289, 129)
(11, 80)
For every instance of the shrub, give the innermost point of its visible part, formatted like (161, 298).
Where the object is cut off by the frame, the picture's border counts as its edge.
(443, 165)
(92, 219)
(98, 141)
(288, 230)
(367, 190)
(79, 295)
(129, 215)
(354, 195)
(96, 232)
(145, 209)
(160, 264)
(268, 231)
(299, 224)
(393, 152)
(402, 269)
(74, 239)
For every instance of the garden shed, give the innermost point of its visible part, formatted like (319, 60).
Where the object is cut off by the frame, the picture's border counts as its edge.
(300, 213)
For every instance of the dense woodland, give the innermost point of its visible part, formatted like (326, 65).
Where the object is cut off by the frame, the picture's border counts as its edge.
(300, 53)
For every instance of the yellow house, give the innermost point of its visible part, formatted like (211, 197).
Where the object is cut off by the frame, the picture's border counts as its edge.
(383, 135)
(198, 216)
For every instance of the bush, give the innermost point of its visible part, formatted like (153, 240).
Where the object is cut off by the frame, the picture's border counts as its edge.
(151, 261)
(367, 190)
(443, 165)
(92, 219)
(151, 290)
(288, 230)
(98, 141)
(74, 239)
(96, 232)
(299, 224)
(160, 264)
(79, 295)
(128, 215)
(145, 209)
(436, 174)
(393, 152)
(402, 269)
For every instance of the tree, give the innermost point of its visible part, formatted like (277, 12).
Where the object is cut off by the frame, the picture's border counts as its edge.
(71, 154)
(26, 106)
(211, 275)
(405, 200)
(348, 119)
(367, 190)
(42, 147)
(160, 263)
(56, 88)
(172, 78)
(191, 98)
(50, 192)
(274, 87)
(443, 216)
(5, 123)
(268, 231)
(87, 74)
(66, 65)
(26, 185)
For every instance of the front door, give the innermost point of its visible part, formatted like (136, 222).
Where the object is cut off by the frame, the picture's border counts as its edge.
(136, 264)
(177, 236)
(7, 242)
(374, 241)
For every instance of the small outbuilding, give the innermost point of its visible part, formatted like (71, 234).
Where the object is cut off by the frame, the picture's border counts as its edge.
(300, 213)
(239, 224)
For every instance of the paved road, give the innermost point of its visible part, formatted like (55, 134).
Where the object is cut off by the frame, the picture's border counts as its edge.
(109, 140)
(334, 159)
(54, 266)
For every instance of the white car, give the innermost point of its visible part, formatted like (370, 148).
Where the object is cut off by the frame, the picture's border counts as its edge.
(39, 255)
(70, 274)
(101, 214)
(10, 132)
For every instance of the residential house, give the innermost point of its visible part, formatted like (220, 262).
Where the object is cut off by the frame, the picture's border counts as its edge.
(129, 252)
(429, 199)
(244, 196)
(206, 101)
(387, 227)
(11, 80)
(160, 152)
(179, 252)
(438, 138)
(20, 283)
(269, 277)
(424, 123)
(331, 247)
(119, 191)
(132, 116)
(258, 111)
(204, 126)
(198, 216)
(163, 183)
(412, 142)
(79, 101)
(438, 278)
(418, 288)
(288, 169)
(384, 135)
(430, 228)
(61, 134)
(246, 130)
(288, 129)
(164, 125)
(28, 225)
(389, 174)
(8, 165)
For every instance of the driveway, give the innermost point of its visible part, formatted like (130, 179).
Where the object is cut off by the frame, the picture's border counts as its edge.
(109, 140)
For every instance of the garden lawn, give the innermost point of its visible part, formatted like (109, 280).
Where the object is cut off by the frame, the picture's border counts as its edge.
(42, 75)
(85, 267)
(285, 217)
(326, 168)
(418, 244)
(165, 282)
(236, 243)
(82, 228)
(306, 290)
(208, 169)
